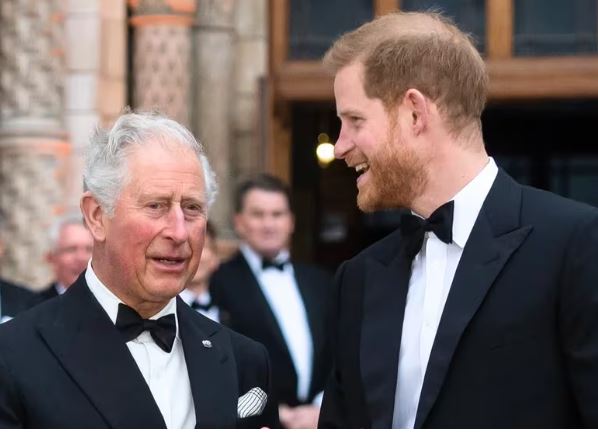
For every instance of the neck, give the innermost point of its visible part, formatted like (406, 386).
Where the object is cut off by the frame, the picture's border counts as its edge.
(448, 173)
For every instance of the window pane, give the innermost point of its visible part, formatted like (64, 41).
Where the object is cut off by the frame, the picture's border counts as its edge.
(468, 14)
(555, 27)
(315, 24)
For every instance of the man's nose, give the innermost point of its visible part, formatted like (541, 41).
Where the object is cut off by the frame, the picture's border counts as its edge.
(342, 145)
(176, 227)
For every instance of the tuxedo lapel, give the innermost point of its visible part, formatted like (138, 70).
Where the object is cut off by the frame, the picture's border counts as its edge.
(494, 237)
(211, 369)
(311, 300)
(95, 355)
(259, 305)
(383, 312)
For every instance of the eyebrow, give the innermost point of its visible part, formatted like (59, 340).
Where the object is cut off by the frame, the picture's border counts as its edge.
(349, 112)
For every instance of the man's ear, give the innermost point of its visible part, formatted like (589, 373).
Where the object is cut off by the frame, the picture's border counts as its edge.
(419, 111)
(94, 216)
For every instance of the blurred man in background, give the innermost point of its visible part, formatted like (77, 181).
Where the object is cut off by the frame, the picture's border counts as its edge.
(280, 303)
(197, 293)
(70, 251)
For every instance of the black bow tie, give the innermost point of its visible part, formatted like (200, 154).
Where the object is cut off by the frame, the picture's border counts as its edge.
(196, 305)
(275, 264)
(131, 324)
(413, 228)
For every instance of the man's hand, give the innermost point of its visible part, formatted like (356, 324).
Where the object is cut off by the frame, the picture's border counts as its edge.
(299, 417)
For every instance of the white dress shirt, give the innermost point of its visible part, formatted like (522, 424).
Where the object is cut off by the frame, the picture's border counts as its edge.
(189, 296)
(165, 372)
(60, 289)
(432, 273)
(282, 293)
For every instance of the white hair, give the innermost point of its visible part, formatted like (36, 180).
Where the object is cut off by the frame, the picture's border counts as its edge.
(105, 169)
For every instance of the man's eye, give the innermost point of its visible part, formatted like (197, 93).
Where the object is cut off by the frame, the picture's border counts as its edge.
(194, 209)
(154, 205)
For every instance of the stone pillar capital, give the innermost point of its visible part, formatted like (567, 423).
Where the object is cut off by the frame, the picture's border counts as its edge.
(166, 12)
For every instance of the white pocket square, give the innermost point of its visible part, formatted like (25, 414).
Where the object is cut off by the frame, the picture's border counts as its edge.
(252, 403)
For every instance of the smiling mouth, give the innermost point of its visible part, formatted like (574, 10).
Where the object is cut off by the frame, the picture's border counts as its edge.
(362, 168)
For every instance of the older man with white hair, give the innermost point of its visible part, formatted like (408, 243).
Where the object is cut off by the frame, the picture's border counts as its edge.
(120, 349)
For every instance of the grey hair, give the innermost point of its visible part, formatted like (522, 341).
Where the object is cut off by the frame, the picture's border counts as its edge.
(105, 169)
(59, 224)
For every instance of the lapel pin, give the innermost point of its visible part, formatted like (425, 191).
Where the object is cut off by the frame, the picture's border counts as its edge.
(206, 343)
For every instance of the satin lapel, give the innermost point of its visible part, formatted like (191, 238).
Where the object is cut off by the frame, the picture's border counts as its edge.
(495, 236)
(211, 369)
(260, 306)
(311, 301)
(383, 312)
(95, 355)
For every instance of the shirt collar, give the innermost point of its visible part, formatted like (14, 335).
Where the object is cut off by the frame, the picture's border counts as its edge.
(255, 260)
(109, 301)
(60, 289)
(469, 201)
(188, 296)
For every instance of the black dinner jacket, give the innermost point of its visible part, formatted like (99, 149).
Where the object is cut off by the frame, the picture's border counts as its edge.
(245, 309)
(517, 344)
(63, 364)
(14, 299)
(48, 292)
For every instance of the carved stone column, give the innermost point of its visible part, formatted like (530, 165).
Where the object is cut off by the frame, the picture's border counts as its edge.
(213, 93)
(32, 136)
(251, 61)
(162, 56)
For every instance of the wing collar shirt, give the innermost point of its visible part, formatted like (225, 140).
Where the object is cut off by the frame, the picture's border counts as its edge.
(164, 372)
(432, 274)
(282, 293)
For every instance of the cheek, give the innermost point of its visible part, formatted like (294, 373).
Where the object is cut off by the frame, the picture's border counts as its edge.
(133, 238)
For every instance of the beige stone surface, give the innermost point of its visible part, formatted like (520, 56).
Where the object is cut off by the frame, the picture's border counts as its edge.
(113, 52)
(82, 33)
(251, 18)
(216, 13)
(84, 6)
(111, 99)
(81, 126)
(213, 97)
(250, 159)
(113, 9)
(245, 113)
(80, 91)
(251, 63)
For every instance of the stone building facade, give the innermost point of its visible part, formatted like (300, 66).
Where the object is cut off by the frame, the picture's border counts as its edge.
(67, 66)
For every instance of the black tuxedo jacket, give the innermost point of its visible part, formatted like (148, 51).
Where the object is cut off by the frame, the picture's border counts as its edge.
(517, 344)
(14, 299)
(63, 364)
(48, 293)
(245, 309)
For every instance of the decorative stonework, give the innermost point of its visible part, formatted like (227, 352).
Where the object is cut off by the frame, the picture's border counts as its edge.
(31, 59)
(32, 139)
(30, 180)
(162, 56)
(162, 65)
